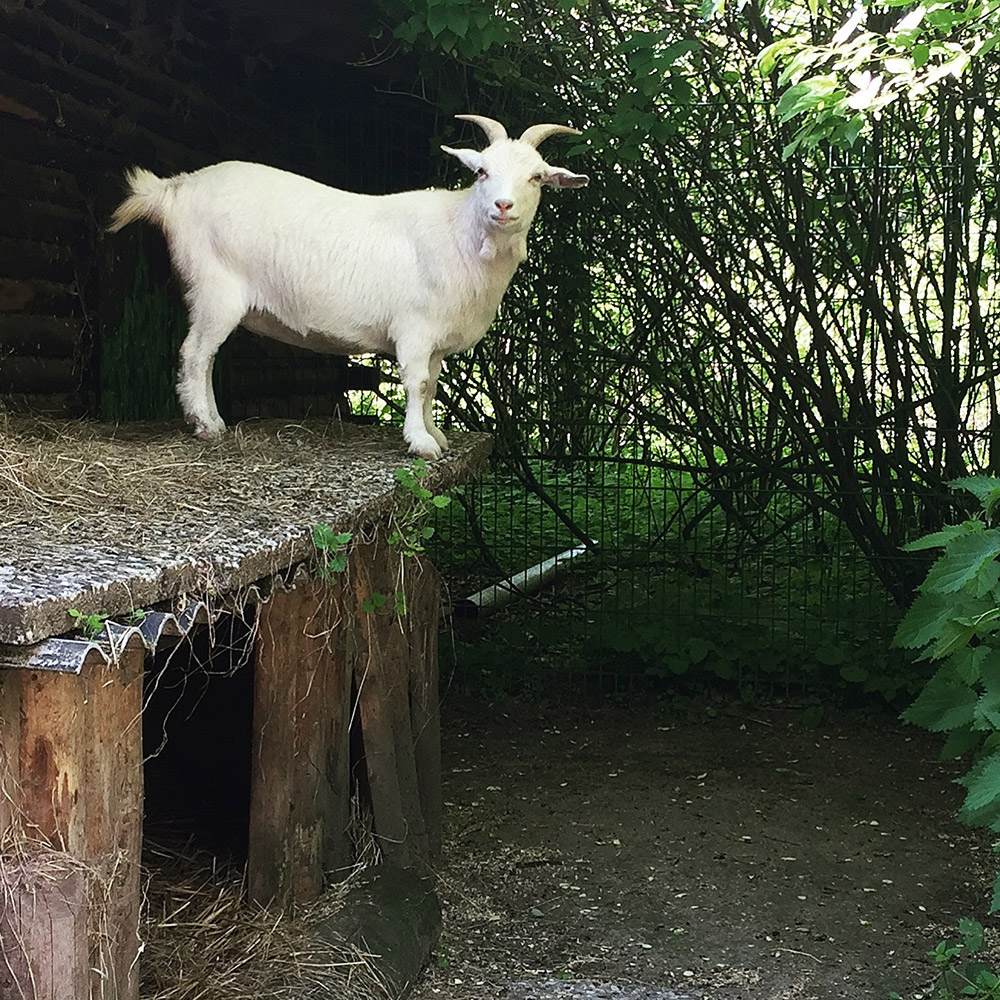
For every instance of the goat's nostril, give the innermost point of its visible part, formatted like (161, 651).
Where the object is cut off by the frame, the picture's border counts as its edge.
(504, 206)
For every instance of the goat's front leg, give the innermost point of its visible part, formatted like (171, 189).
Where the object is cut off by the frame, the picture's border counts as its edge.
(415, 371)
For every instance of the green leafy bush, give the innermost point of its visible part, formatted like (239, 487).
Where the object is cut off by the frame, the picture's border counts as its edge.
(955, 622)
(960, 973)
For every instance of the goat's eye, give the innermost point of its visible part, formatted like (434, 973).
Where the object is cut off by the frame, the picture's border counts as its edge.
(536, 178)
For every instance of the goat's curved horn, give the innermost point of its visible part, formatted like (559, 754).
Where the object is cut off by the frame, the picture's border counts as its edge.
(495, 132)
(536, 133)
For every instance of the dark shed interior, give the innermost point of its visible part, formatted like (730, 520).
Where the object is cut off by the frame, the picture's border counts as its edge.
(90, 323)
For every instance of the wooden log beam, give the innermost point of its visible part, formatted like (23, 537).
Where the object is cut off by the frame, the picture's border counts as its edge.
(299, 803)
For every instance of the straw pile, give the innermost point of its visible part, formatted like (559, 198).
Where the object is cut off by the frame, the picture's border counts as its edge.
(82, 480)
(203, 941)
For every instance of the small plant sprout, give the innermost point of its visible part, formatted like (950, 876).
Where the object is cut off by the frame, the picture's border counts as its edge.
(409, 525)
(332, 549)
(91, 625)
(960, 973)
(375, 602)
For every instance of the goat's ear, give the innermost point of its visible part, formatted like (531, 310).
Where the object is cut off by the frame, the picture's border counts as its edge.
(560, 177)
(472, 158)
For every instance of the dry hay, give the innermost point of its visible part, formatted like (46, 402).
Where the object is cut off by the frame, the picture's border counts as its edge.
(204, 941)
(80, 480)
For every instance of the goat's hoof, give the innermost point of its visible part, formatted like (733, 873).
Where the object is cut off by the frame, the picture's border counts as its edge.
(208, 430)
(426, 448)
(439, 437)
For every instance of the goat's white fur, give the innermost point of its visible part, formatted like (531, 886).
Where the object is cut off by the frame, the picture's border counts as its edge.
(417, 275)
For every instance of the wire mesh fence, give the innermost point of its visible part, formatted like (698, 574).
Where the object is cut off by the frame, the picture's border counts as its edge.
(677, 583)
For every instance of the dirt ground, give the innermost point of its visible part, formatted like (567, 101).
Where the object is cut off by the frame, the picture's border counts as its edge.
(644, 855)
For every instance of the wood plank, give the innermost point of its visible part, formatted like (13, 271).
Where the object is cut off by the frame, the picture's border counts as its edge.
(8, 106)
(38, 297)
(52, 759)
(21, 259)
(61, 405)
(112, 834)
(423, 590)
(382, 679)
(31, 180)
(19, 374)
(37, 219)
(299, 790)
(43, 930)
(10, 753)
(40, 336)
(81, 791)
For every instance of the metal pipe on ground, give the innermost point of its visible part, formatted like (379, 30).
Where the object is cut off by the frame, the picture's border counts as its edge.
(529, 580)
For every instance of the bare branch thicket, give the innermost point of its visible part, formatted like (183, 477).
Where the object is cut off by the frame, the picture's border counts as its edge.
(822, 326)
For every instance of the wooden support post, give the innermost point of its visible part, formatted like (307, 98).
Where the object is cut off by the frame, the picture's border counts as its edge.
(43, 930)
(423, 609)
(299, 803)
(310, 642)
(382, 677)
(79, 751)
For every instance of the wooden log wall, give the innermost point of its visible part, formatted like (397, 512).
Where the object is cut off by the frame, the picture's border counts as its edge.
(85, 88)
(90, 87)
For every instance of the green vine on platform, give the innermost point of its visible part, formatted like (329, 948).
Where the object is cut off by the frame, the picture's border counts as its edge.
(408, 531)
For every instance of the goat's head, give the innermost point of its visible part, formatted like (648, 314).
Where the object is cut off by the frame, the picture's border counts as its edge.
(510, 173)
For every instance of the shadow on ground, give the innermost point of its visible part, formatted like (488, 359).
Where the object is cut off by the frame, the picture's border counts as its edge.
(639, 856)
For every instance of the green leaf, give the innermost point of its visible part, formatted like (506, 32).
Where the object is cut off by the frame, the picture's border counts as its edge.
(929, 614)
(951, 638)
(961, 741)
(854, 674)
(986, 489)
(972, 934)
(437, 20)
(982, 801)
(698, 649)
(678, 50)
(798, 98)
(374, 602)
(831, 655)
(964, 558)
(995, 901)
(323, 536)
(972, 663)
(945, 703)
(458, 21)
(938, 539)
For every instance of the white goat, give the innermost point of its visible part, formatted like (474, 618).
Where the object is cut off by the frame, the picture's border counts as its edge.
(417, 275)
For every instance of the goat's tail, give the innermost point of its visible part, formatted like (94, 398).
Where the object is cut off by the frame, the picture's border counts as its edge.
(148, 198)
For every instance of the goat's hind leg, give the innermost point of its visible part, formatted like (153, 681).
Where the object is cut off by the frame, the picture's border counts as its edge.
(213, 317)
